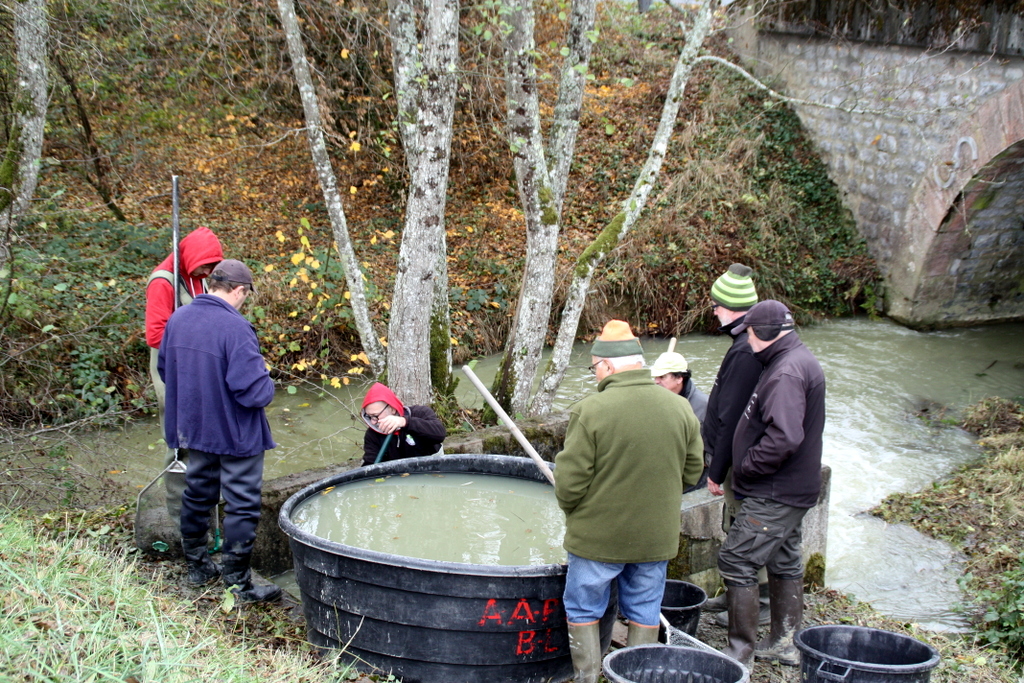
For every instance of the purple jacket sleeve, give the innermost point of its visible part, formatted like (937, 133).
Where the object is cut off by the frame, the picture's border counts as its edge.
(247, 375)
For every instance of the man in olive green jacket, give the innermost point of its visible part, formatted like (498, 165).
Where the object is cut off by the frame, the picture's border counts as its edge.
(630, 450)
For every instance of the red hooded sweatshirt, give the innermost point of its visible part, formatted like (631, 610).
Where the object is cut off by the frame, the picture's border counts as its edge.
(379, 392)
(196, 249)
(422, 434)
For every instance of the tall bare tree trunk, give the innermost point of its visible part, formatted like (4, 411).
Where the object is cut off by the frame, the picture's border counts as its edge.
(19, 169)
(329, 186)
(542, 176)
(425, 80)
(619, 226)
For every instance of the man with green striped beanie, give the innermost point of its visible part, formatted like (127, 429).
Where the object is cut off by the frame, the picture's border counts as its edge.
(732, 295)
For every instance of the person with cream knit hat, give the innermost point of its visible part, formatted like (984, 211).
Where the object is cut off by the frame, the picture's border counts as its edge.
(630, 450)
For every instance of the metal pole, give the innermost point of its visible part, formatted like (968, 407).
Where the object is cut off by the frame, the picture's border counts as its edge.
(174, 237)
(530, 451)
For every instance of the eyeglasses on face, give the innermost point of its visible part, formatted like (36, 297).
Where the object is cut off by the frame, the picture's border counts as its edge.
(375, 418)
(593, 368)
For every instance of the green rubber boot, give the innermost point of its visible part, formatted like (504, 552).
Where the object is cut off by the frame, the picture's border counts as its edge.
(585, 648)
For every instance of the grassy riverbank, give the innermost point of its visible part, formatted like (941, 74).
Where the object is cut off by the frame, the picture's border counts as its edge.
(78, 607)
(980, 511)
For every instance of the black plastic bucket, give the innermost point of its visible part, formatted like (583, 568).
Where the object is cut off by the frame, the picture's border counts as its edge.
(681, 605)
(429, 621)
(857, 654)
(671, 664)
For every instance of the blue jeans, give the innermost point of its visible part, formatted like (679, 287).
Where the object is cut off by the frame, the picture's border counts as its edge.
(588, 586)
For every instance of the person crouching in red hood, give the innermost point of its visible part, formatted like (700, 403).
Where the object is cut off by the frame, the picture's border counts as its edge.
(414, 430)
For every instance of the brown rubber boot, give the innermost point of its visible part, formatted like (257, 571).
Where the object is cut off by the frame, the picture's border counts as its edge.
(637, 634)
(743, 610)
(764, 615)
(585, 648)
(717, 604)
(787, 597)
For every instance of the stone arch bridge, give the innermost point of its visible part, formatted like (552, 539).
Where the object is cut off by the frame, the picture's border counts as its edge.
(926, 144)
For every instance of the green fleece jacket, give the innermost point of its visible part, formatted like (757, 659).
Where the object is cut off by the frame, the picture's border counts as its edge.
(629, 451)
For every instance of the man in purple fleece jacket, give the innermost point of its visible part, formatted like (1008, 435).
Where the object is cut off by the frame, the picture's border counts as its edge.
(210, 360)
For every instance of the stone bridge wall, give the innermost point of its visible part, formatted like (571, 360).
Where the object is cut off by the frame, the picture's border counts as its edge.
(929, 122)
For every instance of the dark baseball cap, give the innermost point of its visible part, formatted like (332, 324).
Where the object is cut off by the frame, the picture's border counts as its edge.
(230, 270)
(765, 313)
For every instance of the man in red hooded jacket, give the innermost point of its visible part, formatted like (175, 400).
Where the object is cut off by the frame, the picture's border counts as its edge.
(198, 253)
(413, 430)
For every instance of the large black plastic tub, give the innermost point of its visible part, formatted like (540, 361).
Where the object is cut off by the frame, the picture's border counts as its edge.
(857, 654)
(428, 621)
(671, 664)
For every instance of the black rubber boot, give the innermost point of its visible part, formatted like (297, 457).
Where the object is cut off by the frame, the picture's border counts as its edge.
(585, 648)
(238, 579)
(742, 623)
(764, 615)
(719, 603)
(787, 597)
(201, 569)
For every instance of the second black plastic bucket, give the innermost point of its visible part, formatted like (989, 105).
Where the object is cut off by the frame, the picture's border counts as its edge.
(671, 664)
(857, 654)
(681, 605)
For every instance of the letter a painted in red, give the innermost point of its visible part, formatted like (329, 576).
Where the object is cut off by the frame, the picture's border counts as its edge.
(522, 611)
(491, 613)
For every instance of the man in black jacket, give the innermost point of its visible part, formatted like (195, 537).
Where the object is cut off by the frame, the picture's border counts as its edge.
(732, 295)
(776, 469)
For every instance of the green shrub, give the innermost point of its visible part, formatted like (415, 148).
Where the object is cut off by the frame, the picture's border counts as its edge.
(1003, 621)
(72, 320)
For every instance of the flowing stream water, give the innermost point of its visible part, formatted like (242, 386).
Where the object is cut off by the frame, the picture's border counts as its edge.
(879, 376)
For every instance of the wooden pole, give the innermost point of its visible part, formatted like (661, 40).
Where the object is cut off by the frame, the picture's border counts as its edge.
(530, 450)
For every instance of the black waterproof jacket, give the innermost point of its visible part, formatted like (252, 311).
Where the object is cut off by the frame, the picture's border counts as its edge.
(777, 447)
(421, 435)
(736, 380)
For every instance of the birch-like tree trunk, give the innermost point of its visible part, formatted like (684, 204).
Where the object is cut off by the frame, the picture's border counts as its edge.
(19, 169)
(541, 176)
(424, 51)
(329, 186)
(619, 226)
